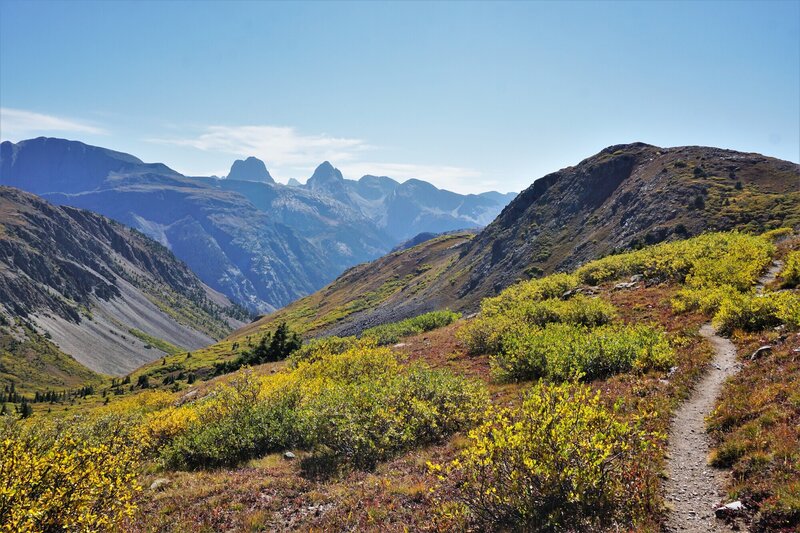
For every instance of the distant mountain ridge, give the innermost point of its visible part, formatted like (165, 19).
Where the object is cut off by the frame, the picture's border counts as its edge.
(105, 294)
(409, 208)
(260, 243)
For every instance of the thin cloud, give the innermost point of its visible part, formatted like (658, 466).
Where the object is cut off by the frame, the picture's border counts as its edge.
(289, 153)
(278, 146)
(21, 124)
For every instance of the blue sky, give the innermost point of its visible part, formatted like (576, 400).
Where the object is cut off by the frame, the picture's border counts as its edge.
(470, 96)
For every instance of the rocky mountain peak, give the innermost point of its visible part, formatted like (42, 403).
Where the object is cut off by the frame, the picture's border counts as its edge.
(325, 173)
(250, 169)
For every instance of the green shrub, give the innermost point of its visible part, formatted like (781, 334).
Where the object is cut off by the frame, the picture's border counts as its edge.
(559, 352)
(547, 288)
(392, 333)
(490, 332)
(579, 310)
(357, 405)
(562, 461)
(706, 299)
(235, 424)
(367, 421)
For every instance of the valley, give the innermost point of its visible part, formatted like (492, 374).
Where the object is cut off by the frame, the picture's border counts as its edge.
(393, 267)
(414, 391)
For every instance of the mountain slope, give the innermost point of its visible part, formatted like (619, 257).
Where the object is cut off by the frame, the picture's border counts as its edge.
(260, 243)
(105, 294)
(367, 295)
(621, 198)
(624, 197)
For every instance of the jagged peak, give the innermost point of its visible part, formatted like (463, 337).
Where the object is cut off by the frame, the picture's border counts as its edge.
(250, 169)
(325, 173)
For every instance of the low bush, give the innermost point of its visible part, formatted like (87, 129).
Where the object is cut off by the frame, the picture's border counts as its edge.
(562, 461)
(756, 312)
(366, 421)
(775, 234)
(392, 333)
(547, 288)
(712, 259)
(75, 475)
(315, 349)
(790, 275)
(238, 421)
(706, 299)
(558, 352)
(497, 324)
(358, 405)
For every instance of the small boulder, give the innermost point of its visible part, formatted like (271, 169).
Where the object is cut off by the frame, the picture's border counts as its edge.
(625, 285)
(160, 483)
(289, 456)
(761, 351)
(730, 509)
(636, 277)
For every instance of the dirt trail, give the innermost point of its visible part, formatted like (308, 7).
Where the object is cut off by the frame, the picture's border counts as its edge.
(694, 488)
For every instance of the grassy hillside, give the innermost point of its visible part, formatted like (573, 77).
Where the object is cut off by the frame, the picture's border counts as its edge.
(31, 363)
(565, 381)
(346, 306)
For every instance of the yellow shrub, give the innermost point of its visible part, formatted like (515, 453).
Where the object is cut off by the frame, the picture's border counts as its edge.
(775, 234)
(506, 317)
(161, 427)
(561, 461)
(755, 312)
(73, 476)
(790, 275)
(733, 258)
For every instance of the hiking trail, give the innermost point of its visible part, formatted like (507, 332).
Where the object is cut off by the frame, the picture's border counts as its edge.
(694, 489)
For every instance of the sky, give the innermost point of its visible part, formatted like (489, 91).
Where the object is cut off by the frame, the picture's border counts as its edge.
(469, 96)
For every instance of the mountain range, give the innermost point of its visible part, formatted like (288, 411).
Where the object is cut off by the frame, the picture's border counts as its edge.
(260, 243)
(74, 283)
(80, 284)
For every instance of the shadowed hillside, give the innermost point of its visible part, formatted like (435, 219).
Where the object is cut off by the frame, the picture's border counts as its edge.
(103, 293)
